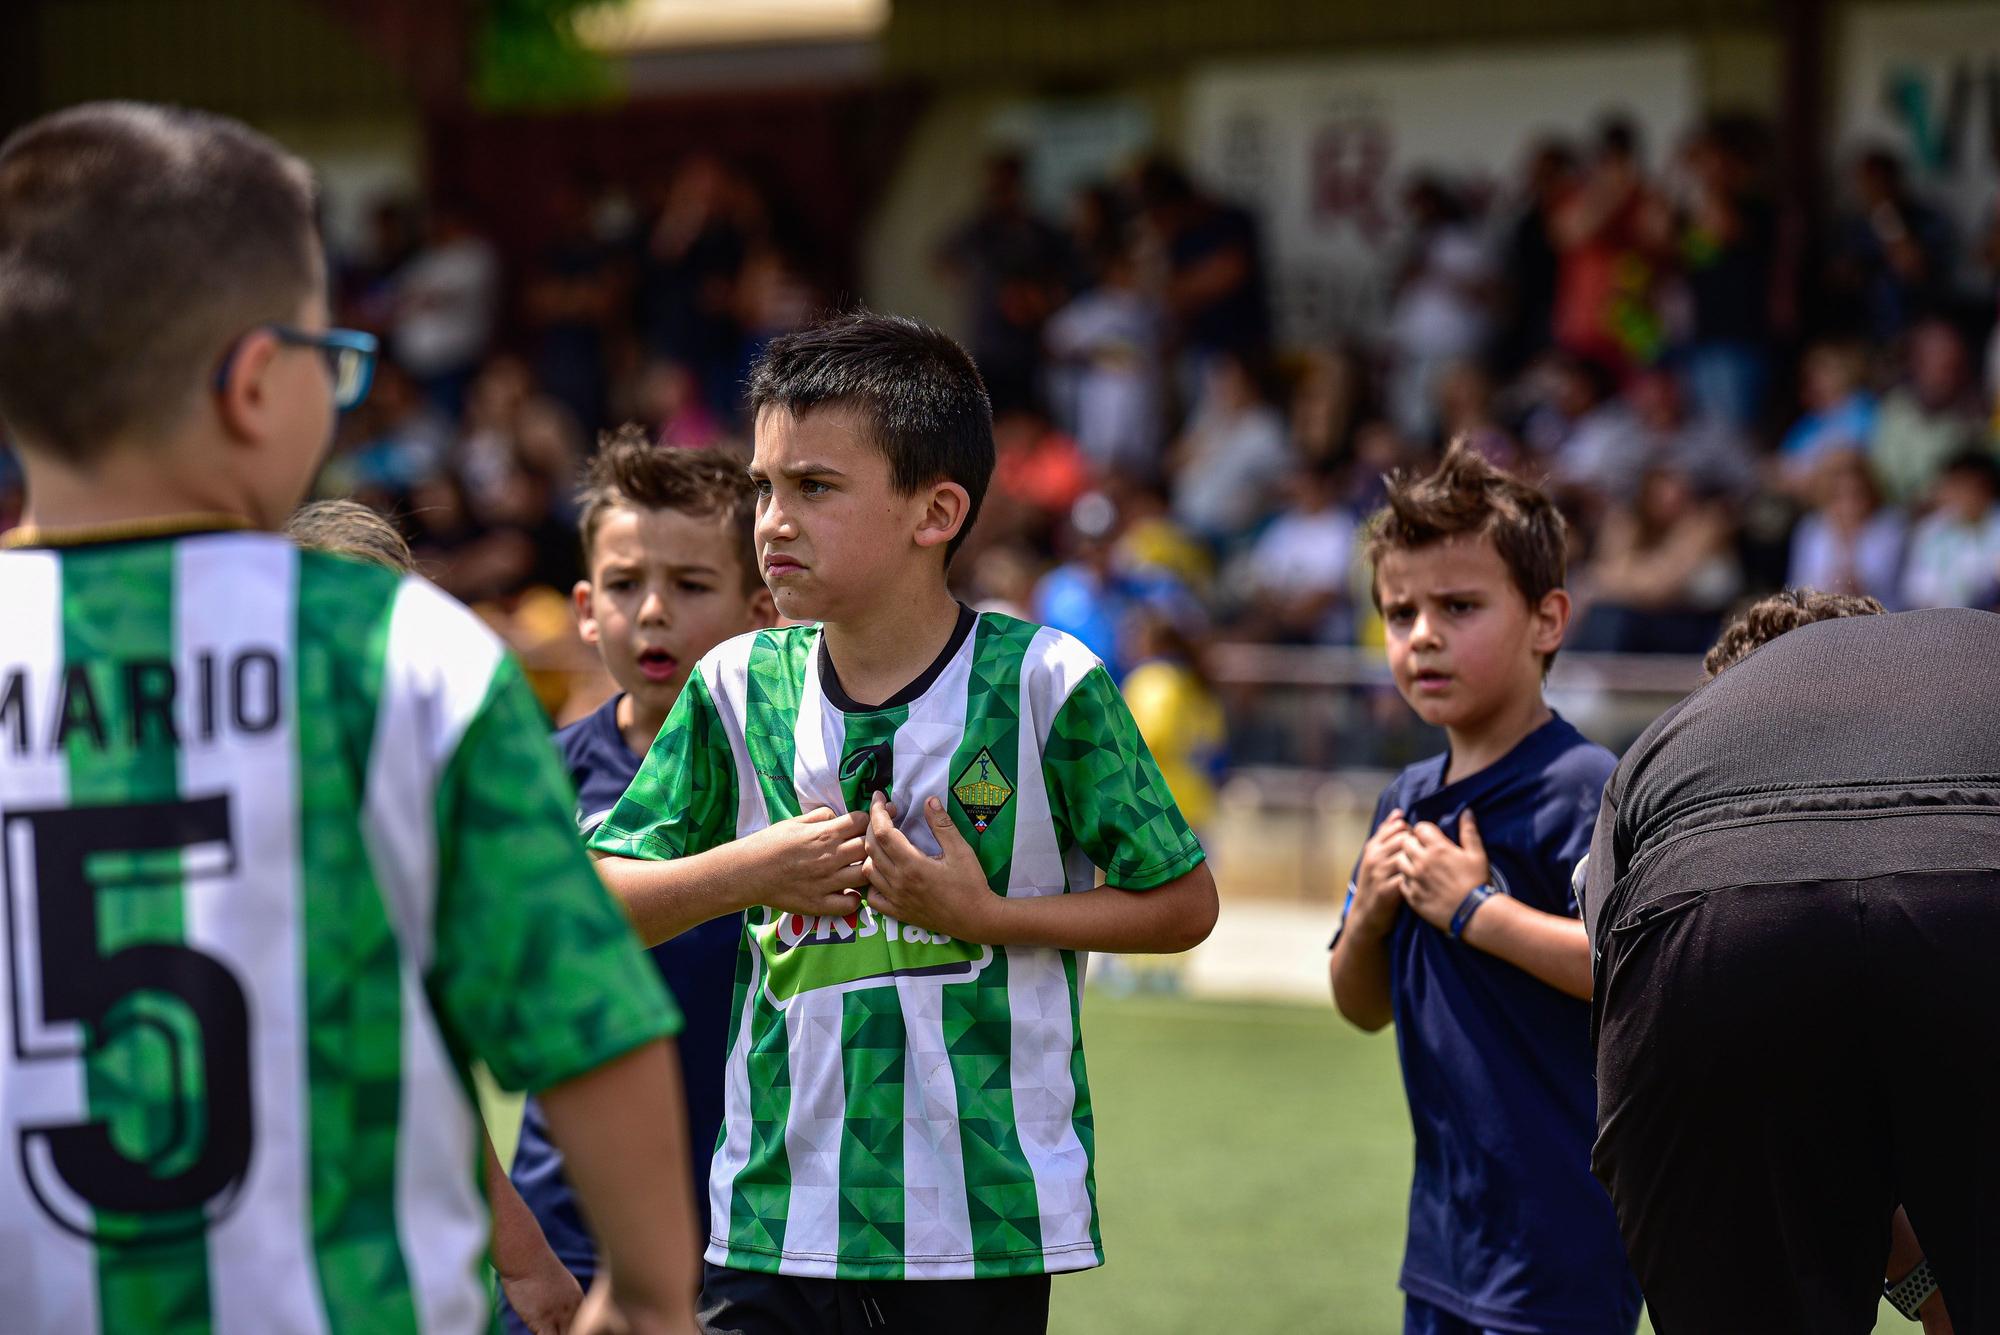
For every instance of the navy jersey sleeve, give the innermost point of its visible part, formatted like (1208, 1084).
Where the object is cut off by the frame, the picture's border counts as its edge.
(1567, 818)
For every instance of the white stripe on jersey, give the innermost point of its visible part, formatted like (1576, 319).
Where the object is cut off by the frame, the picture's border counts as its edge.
(726, 672)
(936, 1219)
(813, 1131)
(48, 1277)
(818, 1112)
(731, 681)
(1038, 998)
(818, 737)
(235, 592)
(437, 670)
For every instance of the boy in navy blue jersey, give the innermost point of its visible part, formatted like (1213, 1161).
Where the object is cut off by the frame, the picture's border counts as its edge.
(1461, 927)
(672, 573)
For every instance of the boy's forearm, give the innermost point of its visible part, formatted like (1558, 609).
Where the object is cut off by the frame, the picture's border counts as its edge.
(665, 898)
(622, 1130)
(518, 1242)
(1358, 968)
(1170, 918)
(1552, 948)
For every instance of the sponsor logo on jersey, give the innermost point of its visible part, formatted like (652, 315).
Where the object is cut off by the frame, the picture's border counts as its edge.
(864, 949)
(982, 789)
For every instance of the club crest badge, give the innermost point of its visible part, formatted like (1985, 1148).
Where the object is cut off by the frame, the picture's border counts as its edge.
(982, 789)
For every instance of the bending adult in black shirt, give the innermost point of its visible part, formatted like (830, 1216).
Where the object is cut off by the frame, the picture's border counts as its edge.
(1794, 900)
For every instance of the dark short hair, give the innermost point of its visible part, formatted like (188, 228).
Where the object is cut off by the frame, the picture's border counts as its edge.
(1976, 464)
(136, 241)
(917, 387)
(1768, 618)
(1465, 496)
(632, 472)
(349, 528)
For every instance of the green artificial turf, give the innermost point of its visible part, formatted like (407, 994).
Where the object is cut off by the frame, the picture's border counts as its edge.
(1252, 1168)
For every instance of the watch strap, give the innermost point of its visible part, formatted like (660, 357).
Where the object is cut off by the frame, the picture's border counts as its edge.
(1912, 1291)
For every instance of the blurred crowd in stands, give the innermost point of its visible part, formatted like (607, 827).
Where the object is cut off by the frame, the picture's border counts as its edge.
(1724, 403)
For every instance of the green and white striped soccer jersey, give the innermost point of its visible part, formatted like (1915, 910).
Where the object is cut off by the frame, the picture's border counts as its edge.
(282, 848)
(901, 1105)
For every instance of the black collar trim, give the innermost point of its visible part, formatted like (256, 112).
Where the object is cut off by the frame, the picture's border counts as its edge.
(829, 679)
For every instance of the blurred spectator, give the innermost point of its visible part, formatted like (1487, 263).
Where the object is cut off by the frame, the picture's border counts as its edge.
(1106, 344)
(488, 435)
(1611, 233)
(1465, 410)
(1989, 253)
(363, 281)
(1177, 713)
(1298, 572)
(1036, 466)
(1151, 541)
(1728, 248)
(1232, 455)
(1529, 264)
(575, 292)
(1933, 416)
(1439, 316)
(668, 403)
(694, 249)
(1954, 556)
(1003, 580)
(1216, 292)
(1100, 226)
(1849, 542)
(1650, 428)
(1663, 572)
(1084, 595)
(391, 441)
(445, 302)
(1012, 264)
(1894, 254)
(1329, 398)
(1840, 411)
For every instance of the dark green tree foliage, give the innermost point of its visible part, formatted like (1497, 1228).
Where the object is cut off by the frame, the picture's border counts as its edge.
(527, 55)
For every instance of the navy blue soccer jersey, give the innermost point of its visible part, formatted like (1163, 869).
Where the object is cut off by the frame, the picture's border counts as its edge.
(699, 966)
(1508, 1229)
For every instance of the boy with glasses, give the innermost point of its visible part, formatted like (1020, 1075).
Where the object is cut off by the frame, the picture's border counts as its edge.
(281, 845)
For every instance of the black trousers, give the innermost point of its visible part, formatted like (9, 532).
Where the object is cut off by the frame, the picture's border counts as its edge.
(743, 1302)
(1779, 1066)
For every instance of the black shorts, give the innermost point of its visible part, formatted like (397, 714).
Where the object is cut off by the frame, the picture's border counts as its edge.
(1779, 1066)
(744, 1302)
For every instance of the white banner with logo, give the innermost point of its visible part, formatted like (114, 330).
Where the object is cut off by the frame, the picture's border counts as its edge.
(1320, 149)
(1924, 81)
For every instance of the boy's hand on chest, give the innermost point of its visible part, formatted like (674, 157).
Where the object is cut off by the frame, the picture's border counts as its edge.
(1437, 873)
(947, 893)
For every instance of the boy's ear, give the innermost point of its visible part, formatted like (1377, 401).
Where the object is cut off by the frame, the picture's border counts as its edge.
(579, 604)
(944, 514)
(244, 401)
(1551, 620)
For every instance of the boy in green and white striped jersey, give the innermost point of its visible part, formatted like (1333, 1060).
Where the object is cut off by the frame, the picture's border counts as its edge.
(908, 802)
(282, 847)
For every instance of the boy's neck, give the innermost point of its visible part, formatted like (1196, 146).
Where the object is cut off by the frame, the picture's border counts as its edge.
(888, 646)
(125, 486)
(638, 725)
(1475, 747)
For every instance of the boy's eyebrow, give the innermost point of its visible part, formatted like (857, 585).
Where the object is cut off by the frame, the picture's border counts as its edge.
(805, 469)
(678, 567)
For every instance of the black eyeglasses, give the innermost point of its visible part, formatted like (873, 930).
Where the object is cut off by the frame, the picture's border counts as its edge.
(350, 358)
